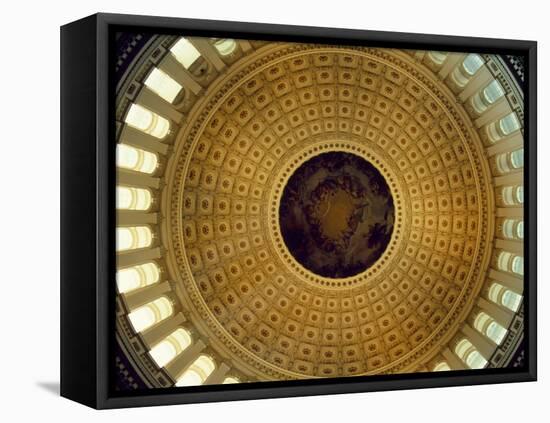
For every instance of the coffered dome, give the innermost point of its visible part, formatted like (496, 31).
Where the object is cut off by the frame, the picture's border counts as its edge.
(297, 210)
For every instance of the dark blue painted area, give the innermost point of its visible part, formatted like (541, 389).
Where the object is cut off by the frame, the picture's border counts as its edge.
(516, 64)
(128, 46)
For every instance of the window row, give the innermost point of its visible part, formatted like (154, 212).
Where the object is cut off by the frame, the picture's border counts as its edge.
(154, 312)
(186, 54)
(170, 90)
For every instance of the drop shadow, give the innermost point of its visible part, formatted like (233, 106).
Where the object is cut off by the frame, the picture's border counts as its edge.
(51, 387)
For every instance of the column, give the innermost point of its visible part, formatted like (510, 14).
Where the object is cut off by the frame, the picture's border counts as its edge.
(510, 143)
(129, 177)
(179, 364)
(245, 45)
(218, 375)
(502, 315)
(513, 212)
(419, 55)
(142, 296)
(515, 247)
(131, 258)
(157, 104)
(452, 359)
(507, 280)
(209, 52)
(484, 345)
(453, 59)
(137, 138)
(177, 72)
(494, 112)
(478, 81)
(135, 217)
(152, 336)
(510, 179)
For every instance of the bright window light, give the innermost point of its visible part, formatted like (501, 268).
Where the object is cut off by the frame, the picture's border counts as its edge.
(166, 350)
(185, 52)
(131, 278)
(135, 159)
(163, 85)
(130, 198)
(147, 121)
(150, 314)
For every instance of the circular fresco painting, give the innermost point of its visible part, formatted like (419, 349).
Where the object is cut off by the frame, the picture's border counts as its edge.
(336, 215)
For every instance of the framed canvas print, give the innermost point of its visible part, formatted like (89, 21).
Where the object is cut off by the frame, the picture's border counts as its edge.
(255, 211)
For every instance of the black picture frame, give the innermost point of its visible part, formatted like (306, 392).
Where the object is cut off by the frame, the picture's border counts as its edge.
(88, 213)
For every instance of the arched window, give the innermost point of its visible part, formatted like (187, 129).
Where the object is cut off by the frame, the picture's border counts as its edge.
(510, 263)
(135, 159)
(487, 326)
(438, 57)
(495, 291)
(131, 278)
(505, 297)
(185, 52)
(470, 355)
(230, 379)
(167, 349)
(147, 121)
(442, 366)
(508, 228)
(475, 360)
(163, 85)
(516, 158)
(130, 198)
(463, 73)
(512, 195)
(495, 332)
(503, 127)
(472, 63)
(150, 314)
(225, 46)
(133, 237)
(507, 162)
(493, 92)
(483, 99)
(511, 300)
(517, 265)
(519, 194)
(504, 260)
(198, 372)
(512, 229)
(509, 123)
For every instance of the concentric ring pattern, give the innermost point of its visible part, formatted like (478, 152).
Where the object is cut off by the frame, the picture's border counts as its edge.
(269, 114)
(242, 165)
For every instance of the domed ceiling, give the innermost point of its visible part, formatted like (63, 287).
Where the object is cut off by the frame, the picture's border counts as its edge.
(320, 211)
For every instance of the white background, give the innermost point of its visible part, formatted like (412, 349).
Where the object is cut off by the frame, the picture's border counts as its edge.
(29, 163)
